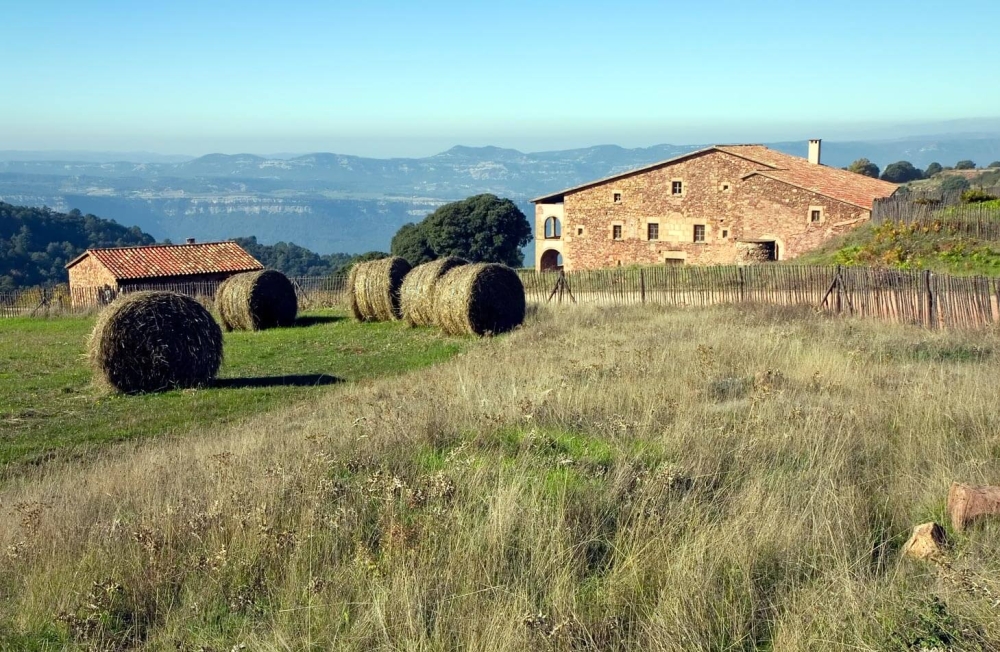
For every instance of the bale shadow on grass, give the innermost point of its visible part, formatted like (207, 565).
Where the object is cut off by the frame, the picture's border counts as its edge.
(295, 380)
(316, 320)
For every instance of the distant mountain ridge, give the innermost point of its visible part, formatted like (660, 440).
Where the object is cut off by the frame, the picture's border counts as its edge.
(336, 202)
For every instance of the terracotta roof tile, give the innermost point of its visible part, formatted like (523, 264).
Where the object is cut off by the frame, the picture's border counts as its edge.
(765, 155)
(848, 187)
(129, 263)
(835, 183)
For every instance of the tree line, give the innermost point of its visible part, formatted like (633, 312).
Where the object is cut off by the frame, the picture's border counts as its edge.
(37, 243)
(904, 171)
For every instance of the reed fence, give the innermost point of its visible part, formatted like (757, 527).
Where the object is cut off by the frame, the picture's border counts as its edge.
(981, 220)
(313, 292)
(901, 296)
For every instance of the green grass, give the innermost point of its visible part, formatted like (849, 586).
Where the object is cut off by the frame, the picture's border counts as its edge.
(50, 406)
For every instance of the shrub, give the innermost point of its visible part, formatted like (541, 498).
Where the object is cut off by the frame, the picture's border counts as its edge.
(976, 196)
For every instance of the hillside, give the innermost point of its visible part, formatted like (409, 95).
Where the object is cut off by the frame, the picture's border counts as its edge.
(36, 243)
(941, 244)
(339, 202)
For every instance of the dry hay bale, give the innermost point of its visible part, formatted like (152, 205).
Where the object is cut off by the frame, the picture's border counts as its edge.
(416, 297)
(479, 299)
(373, 288)
(153, 341)
(255, 301)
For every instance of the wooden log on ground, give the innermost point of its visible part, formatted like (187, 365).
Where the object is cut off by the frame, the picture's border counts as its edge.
(928, 540)
(967, 503)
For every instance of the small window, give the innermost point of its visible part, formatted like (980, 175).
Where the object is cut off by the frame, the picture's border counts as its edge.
(725, 233)
(677, 188)
(618, 198)
(725, 187)
(673, 261)
(616, 232)
(815, 216)
(579, 230)
(699, 232)
(652, 231)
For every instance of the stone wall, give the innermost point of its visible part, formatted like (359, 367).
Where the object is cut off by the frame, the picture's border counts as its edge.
(89, 273)
(714, 197)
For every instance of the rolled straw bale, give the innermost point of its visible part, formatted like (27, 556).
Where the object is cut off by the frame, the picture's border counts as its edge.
(154, 341)
(479, 299)
(255, 301)
(416, 297)
(373, 288)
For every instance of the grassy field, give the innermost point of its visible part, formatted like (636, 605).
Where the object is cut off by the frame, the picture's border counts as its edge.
(50, 407)
(615, 479)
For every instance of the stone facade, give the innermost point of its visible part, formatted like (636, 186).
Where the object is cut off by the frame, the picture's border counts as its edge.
(692, 210)
(90, 273)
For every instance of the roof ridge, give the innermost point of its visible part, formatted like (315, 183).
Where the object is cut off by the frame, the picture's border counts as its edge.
(161, 244)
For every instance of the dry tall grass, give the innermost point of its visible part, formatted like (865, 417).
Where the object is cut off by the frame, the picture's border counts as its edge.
(600, 479)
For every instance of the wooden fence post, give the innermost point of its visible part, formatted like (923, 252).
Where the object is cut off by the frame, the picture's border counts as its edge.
(930, 298)
(642, 287)
(837, 280)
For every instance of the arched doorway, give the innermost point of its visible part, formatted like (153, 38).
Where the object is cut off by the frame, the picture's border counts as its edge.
(552, 261)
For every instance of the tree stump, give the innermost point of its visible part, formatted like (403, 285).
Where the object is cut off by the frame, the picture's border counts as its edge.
(967, 503)
(928, 540)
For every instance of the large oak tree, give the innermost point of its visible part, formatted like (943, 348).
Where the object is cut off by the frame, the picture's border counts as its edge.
(483, 228)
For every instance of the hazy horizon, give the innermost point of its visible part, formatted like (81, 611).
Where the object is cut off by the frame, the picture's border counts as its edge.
(417, 147)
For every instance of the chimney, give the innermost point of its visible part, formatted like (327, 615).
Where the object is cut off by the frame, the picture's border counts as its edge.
(189, 241)
(815, 145)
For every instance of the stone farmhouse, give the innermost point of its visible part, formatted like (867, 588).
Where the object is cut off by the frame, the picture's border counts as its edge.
(719, 205)
(97, 275)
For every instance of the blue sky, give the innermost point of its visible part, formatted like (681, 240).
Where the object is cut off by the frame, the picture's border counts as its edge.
(412, 78)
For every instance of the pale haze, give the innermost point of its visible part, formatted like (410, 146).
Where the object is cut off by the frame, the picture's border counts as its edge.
(411, 79)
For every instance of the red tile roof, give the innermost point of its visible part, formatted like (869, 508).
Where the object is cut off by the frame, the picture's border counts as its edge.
(844, 186)
(763, 155)
(130, 263)
(841, 185)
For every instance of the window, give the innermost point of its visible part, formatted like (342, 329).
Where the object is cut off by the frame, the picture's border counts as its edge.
(618, 198)
(553, 228)
(725, 233)
(677, 188)
(670, 260)
(724, 187)
(652, 231)
(616, 232)
(579, 230)
(815, 216)
(699, 232)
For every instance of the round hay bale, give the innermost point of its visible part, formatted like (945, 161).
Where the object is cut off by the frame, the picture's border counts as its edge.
(416, 297)
(257, 300)
(154, 341)
(373, 288)
(479, 299)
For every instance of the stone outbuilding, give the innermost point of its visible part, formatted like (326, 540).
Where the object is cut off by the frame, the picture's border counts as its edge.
(724, 204)
(98, 275)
